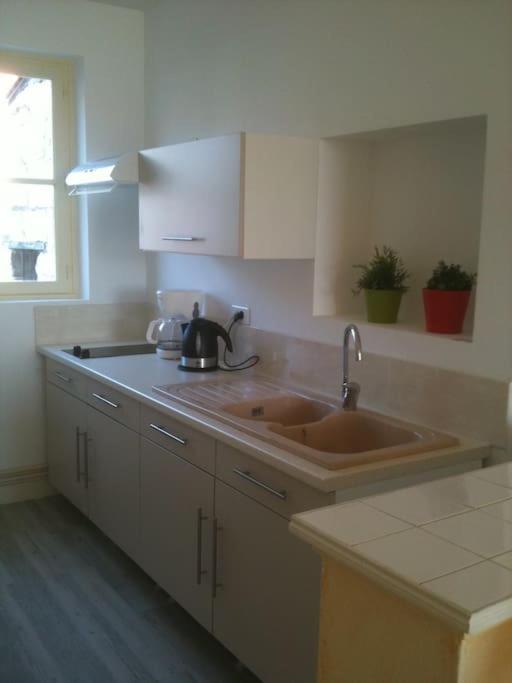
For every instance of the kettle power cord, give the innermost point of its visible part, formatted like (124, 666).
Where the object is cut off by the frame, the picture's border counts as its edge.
(249, 362)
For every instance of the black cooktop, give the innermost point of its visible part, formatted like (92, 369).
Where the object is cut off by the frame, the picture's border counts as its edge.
(110, 351)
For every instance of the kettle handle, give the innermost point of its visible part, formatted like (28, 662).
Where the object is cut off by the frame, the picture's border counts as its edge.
(150, 334)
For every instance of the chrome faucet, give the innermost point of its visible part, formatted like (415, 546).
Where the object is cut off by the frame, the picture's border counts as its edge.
(350, 390)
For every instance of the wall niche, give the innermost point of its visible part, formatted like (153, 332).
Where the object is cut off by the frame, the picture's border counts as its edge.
(416, 188)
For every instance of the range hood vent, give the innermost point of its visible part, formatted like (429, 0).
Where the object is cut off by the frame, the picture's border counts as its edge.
(102, 176)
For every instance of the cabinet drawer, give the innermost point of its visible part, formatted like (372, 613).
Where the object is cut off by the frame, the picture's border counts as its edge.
(182, 440)
(70, 380)
(114, 404)
(269, 486)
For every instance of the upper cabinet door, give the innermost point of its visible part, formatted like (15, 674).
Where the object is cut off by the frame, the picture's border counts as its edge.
(247, 195)
(190, 197)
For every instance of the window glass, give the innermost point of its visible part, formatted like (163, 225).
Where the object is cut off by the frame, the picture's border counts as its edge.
(27, 232)
(27, 215)
(26, 131)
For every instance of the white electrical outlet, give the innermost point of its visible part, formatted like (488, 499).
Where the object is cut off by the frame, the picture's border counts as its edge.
(246, 320)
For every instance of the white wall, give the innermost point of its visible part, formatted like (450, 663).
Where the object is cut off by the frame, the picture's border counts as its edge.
(108, 46)
(323, 68)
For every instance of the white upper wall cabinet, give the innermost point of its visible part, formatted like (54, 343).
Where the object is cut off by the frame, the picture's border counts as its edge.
(247, 195)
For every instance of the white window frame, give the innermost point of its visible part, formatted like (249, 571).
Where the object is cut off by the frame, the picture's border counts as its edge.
(61, 73)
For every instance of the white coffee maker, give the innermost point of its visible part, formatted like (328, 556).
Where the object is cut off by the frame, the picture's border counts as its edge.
(176, 308)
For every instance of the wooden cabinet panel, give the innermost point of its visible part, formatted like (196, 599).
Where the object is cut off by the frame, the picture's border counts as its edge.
(267, 603)
(113, 403)
(189, 197)
(246, 195)
(188, 443)
(176, 521)
(66, 445)
(114, 480)
(66, 378)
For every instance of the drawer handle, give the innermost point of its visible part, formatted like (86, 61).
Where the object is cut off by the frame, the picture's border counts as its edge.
(163, 431)
(105, 400)
(248, 477)
(184, 238)
(62, 377)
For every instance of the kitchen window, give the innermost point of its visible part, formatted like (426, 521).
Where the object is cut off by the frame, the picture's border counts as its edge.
(37, 226)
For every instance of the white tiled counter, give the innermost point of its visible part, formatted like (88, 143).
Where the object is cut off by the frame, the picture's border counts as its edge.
(444, 547)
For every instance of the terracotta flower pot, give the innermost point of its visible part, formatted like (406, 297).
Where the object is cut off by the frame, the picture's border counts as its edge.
(445, 310)
(382, 305)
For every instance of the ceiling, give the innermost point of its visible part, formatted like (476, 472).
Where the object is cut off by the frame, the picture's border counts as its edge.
(132, 4)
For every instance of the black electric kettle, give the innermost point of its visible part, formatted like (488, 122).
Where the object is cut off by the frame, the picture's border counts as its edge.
(199, 350)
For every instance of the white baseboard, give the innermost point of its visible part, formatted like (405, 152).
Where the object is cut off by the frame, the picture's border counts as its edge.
(24, 483)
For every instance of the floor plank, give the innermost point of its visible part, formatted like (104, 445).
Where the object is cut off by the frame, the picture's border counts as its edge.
(74, 608)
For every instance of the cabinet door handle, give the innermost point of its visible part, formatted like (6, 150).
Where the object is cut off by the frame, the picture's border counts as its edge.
(199, 566)
(77, 447)
(63, 378)
(99, 397)
(163, 431)
(182, 238)
(245, 474)
(86, 459)
(215, 539)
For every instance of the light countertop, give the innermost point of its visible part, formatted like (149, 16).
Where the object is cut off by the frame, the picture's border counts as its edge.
(445, 545)
(136, 375)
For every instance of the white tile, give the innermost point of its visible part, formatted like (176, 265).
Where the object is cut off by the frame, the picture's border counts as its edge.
(417, 555)
(499, 474)
(469, 490)
(482, 534)
(475, 587)
(417, 504)
(352, 523)
(505, 560)
(501, 510)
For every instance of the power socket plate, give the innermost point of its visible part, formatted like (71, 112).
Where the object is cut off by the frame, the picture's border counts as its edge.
(235, 308)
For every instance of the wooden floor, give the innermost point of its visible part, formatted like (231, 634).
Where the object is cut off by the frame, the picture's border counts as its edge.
(74, 608)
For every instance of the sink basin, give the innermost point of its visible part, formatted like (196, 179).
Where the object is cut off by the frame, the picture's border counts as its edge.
(285, 410)
(306, 424)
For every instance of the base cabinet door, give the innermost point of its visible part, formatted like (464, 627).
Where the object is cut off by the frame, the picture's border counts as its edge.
(268, 590)
(176, 522)
(113, 477)
(67, 445)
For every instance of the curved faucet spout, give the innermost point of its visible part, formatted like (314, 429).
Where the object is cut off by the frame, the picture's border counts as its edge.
(350, 390)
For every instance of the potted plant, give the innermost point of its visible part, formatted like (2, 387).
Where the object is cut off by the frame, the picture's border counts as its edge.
(383, 280)
(446, 298)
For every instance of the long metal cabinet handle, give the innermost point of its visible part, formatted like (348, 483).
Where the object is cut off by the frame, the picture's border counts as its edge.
(199, 566)
(248, 477)
(105, 400)
(62, 377)
(216, 530)
(182, 238)
(163, 431)
(77, 447)
(86, 459)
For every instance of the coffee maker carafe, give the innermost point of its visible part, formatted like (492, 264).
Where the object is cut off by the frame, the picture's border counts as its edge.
(176, 307)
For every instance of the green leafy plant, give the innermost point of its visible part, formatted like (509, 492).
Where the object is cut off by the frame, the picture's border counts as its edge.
(386, 270)
(451, 278)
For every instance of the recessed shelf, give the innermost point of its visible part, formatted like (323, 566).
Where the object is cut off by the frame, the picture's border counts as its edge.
(412, 328)
(416, 188)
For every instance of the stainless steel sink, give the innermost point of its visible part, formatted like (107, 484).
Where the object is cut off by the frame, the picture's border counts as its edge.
(314, 427)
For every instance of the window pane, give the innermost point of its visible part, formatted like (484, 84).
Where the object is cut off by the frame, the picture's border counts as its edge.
(27, 233)
(26, 135)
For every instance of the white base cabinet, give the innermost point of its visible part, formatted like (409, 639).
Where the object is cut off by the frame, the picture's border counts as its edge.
(66, 426)
(266, 607)
(113, 453)
(208, 523)
(176, 515)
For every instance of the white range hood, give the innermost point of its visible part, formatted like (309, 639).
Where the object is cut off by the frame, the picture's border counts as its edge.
(103, 175)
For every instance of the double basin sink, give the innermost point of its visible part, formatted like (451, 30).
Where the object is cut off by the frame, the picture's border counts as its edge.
(313, 427)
